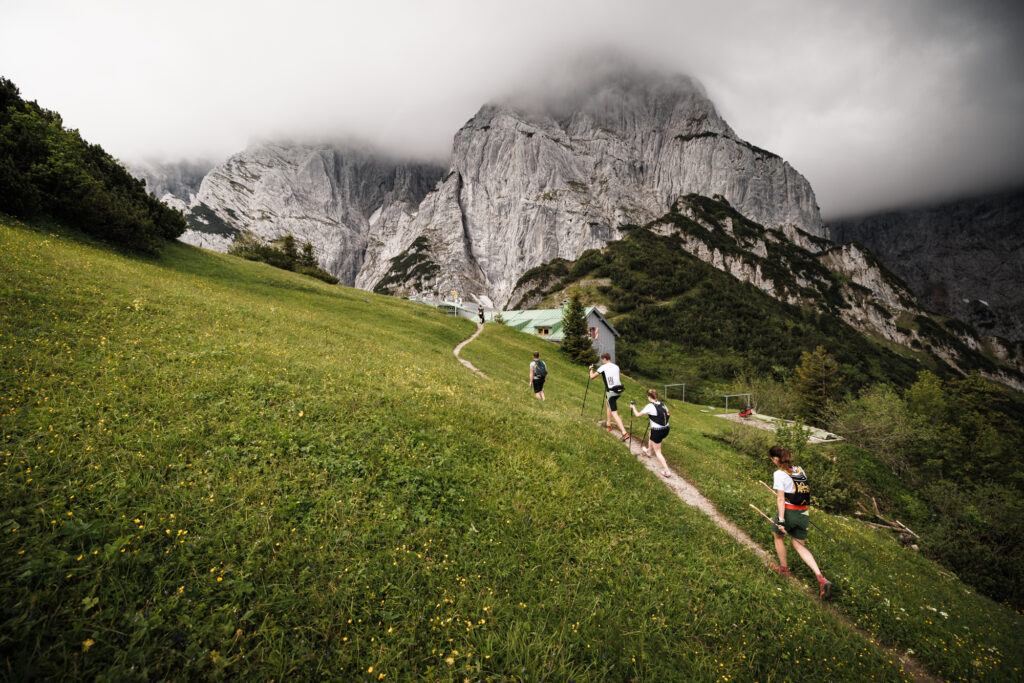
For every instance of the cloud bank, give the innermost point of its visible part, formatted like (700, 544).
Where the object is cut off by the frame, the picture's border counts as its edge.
(880, 104)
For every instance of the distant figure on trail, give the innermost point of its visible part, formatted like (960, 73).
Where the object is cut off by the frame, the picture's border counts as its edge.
(613, 389)
(793, 495)
(538, 373)
(658, 414)
(480, 313)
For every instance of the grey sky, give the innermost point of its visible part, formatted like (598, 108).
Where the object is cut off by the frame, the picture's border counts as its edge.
(879, 103)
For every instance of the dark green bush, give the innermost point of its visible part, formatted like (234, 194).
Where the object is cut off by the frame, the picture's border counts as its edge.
(46, 169)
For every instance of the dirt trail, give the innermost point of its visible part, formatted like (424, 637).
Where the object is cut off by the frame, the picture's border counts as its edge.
(479, 329)
(691, 495)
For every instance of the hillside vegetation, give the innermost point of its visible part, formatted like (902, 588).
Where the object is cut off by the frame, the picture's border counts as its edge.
(213, 468)
(942, 451)
(49, 170)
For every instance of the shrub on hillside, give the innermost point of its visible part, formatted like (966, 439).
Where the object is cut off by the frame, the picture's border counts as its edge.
(50, 170)
(285, 255)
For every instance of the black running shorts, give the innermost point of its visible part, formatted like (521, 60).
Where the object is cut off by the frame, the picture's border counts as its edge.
(538, 384)
(613, 400)
(657, 435)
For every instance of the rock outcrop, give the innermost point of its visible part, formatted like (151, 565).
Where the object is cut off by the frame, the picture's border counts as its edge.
(531, 179)
(533, 182)
(961, 259)
(333, 196)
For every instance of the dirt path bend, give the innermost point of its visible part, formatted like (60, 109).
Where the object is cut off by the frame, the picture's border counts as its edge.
(691, 495)
(479, 329)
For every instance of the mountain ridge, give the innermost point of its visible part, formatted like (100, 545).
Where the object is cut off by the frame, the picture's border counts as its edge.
(962, 258)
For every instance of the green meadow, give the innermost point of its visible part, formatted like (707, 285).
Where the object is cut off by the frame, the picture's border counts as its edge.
(212, 468)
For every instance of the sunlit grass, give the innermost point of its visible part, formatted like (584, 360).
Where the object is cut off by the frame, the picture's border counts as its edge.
(215, 468)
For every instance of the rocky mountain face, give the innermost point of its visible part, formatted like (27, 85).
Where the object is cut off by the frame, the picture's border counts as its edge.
(337, 197)
(174, 183)
(530, 180)
(962, 259)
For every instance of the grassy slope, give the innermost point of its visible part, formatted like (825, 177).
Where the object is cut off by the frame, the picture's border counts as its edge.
(214, 467)
(895, 595)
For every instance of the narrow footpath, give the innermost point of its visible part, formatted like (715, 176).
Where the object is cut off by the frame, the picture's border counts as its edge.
(479, 329)
(691, 495)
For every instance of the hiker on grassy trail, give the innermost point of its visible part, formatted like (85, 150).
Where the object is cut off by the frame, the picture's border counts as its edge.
(480, 314)
(613, 389)
(657, 413)
(793, 494)
(538, 373)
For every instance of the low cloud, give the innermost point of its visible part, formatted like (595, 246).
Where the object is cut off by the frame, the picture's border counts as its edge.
(878, 103)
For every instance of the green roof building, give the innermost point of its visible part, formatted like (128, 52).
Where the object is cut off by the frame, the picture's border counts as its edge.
(546, 323)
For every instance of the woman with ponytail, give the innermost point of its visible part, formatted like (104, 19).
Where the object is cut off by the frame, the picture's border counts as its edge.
(793, 493)
(658, 415)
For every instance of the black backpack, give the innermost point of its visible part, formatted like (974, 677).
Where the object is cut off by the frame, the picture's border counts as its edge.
(662, 412)
(539, 369)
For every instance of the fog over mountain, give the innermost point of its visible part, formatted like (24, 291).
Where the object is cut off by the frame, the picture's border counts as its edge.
(880, 104)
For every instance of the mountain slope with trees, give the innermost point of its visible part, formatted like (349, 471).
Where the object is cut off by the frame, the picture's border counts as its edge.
(942, 441)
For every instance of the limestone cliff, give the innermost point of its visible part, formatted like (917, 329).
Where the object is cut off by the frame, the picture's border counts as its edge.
(963, 259)
(531, 182)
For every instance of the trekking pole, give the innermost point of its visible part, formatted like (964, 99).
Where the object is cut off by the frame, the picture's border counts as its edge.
(585, 395)
(827, 534)
(782, 529)
(642, 438)
(629, 439)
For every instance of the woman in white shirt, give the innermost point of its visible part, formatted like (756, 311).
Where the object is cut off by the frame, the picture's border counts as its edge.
(658, 414)
(793, 494)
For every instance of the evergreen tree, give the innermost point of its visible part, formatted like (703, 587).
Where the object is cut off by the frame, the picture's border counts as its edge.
(291, 252)
(817, 380)
(575, 342)
(307, 258)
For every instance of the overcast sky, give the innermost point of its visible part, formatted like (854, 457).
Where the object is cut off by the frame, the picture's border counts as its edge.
(880, 103)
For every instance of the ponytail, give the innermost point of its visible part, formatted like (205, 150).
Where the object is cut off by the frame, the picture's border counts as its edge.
(784, 456)
(652, 394)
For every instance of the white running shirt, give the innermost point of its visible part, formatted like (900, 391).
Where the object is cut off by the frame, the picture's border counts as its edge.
(611, 375)
(783, 482)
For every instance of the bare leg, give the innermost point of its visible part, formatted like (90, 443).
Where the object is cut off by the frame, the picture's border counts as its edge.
(618, 421)
(656, 447)
(805, 555)
(542, 396)
(780, 549)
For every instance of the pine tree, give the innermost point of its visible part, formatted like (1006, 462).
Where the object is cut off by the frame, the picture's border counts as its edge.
(291, 252)
(575, 342)
(817, 380)
(307, 258)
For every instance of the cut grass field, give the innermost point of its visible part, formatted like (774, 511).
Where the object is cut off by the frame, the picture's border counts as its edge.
(213, 468)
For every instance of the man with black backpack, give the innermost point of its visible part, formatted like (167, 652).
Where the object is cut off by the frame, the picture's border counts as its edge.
(538, 373)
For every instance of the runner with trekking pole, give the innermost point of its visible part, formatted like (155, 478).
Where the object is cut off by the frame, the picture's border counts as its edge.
(827, 535)
(609, 372)
(793, 493)
(657, 414)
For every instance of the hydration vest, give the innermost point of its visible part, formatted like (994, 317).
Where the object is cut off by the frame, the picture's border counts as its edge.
(801, 498)
(661, 418)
